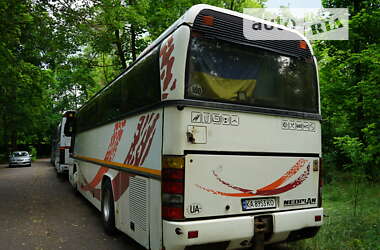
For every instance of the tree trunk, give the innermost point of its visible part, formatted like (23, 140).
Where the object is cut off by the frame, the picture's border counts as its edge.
(120, 50)
(133, 42)
(360, 117)
(13, 140)
(133, 36)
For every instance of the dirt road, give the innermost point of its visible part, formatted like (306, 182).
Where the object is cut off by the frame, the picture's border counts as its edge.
(40, 211)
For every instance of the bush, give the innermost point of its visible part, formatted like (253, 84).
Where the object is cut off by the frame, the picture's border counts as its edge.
(33, 152)
(3, 158)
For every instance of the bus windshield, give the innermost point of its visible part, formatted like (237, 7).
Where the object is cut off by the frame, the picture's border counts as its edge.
(231, 73)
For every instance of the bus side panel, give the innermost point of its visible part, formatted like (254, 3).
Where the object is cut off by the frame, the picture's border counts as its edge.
(173, 53)
(155, 215)
(134, 141)
(139, 206)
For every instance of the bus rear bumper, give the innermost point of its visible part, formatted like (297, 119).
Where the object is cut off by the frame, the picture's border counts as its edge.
(238, 232)
(62, 168)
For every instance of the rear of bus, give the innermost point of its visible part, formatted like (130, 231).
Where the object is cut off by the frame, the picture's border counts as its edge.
(241, 151)
(63, 159)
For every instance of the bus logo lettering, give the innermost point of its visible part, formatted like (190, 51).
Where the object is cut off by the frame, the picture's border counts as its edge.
(306, 126)
(234, 120)
(298, 125)
(226, 119)
(285, 124)
(206, 118)
(292, 125)
(216, 118)
(196, 117)
(300, 202)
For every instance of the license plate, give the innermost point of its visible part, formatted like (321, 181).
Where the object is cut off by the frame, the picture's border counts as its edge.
(252, 204)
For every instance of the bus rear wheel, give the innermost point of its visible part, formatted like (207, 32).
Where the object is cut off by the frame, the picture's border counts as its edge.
(108, 208)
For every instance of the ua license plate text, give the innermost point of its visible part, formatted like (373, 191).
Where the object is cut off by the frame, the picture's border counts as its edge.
(250, 204)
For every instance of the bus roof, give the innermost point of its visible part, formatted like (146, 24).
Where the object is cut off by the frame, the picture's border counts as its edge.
(190, 15)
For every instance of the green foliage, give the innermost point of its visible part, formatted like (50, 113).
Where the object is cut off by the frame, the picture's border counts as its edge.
(350, 93)
(33, 152)
(341, 230)
(354, 149)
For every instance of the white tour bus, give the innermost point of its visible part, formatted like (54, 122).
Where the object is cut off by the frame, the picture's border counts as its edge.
(208, 138)
(60, 156)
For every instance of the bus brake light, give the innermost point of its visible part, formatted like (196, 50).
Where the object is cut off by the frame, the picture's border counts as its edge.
(172, 187)
(172, 213)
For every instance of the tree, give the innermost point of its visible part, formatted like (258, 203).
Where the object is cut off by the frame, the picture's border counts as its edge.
(350, 76)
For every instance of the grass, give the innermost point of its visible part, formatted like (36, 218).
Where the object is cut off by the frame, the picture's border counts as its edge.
(344, 226)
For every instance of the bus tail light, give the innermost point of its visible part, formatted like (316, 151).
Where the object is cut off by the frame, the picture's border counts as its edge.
(320, 183)
(173, 176)
(303, 44)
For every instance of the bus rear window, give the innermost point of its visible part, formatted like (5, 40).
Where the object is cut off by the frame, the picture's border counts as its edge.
(225, 72)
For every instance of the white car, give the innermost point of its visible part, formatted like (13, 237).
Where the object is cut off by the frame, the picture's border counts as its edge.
(20, 158)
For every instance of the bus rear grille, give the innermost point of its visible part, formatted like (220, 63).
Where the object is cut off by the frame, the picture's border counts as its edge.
(230, 28)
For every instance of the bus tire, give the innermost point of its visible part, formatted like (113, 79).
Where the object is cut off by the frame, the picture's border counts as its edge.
(108, 208)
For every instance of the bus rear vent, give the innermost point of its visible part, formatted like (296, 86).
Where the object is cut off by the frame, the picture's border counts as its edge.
(138, 202)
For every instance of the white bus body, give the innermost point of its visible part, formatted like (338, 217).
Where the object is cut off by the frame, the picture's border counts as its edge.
(61, 146)
(190, 169)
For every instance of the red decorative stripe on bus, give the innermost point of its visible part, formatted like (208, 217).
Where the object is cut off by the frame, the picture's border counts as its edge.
(299, 164)
(136, 156)
(270, 189)
(110, 154)
(138, 151)
(167, 61)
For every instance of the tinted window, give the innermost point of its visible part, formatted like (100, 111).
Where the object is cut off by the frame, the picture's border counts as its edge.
(139, 87)
(226, 72)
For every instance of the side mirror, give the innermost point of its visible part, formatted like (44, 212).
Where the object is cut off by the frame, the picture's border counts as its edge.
(30, 155)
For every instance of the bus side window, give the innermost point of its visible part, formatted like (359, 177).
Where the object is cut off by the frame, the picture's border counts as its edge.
(140, 87)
